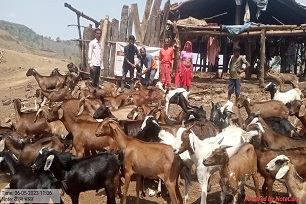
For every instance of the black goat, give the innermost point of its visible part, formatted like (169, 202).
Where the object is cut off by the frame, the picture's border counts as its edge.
(24, 178)
(103, 112)
(220, 118)
(79, 175)
(279, 125)
(55, 72)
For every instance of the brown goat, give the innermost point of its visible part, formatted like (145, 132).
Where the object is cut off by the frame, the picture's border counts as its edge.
(298, 109)
(82, 129)
(46, 82)
(281, 78)
(155, 95)
(235, 170)
(148, 159)
(57, 127)
(139, 112)
(25, 124)
(118, 101)
(57, 96)
(137, 99)
(27, 152)
(266, 108)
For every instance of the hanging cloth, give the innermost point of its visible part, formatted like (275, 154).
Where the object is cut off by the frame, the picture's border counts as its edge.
(247, 15)
(212, 50)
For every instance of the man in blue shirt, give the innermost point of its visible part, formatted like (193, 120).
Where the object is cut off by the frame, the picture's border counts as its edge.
(150, 65)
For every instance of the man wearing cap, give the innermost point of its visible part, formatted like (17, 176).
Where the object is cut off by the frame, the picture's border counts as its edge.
(235, 69)
(129, 62)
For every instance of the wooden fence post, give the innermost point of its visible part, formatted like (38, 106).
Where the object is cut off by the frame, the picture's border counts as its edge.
(88, 35)
(262, 57)
(144, 23)
(114, 38)
(156, 7)
(123, 23)
(130, 22)
(134, 9)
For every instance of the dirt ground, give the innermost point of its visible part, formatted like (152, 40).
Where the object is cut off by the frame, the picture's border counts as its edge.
(15, 84)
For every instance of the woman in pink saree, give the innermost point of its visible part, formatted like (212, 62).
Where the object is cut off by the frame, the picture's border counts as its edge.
(183, 74)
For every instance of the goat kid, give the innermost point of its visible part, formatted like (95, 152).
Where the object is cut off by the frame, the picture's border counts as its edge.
(200, 149)
(234, 170)
(73, 174)
(286, 170)
(285, 97)
(22, 177)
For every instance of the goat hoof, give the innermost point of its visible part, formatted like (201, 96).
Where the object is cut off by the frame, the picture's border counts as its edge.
(143, 194)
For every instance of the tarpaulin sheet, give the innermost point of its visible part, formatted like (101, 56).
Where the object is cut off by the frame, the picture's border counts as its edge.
(236, 29)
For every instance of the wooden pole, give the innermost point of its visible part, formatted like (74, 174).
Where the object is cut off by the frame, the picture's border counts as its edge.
(145, 19)
(138, 33)
(248, 71)
(164, 19)
(88, 35)
(80, 44)
(157, 30)
(237, 15)
(130, 22)
(107, 47)
(79, 13)
(103, 38)
(262, 57)
(114, 38)
(123, 23)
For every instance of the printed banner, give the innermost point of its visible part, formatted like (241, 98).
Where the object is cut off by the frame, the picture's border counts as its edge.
(154, 51)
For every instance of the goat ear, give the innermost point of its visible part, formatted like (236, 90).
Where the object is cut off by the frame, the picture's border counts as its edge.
(2, 145)
(191, 141)
(60, 113)
(81, 109)
(302, 111)
(48, 163)
(282, 171)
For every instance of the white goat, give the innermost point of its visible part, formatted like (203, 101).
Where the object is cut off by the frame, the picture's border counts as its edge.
(285, 169)
(285, 97)
(200, 149)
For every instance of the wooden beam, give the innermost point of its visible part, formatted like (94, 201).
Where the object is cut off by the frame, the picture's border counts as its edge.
(88, 35)
(80, 44)
(262, 58)
(157, 30)
(130, 23)
(145, 19)
(164, 19)
(107, 47)
(79, 13)
(114, 37)
(251, 28)
(138, 33)
(156, 7)
(123, 23)
(153, 33)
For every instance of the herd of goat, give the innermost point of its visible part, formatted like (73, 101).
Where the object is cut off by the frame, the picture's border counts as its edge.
(110, 142)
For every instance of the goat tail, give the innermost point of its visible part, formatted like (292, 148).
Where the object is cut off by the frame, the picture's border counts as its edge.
(186, 171)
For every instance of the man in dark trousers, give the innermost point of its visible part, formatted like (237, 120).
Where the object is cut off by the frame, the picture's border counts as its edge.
(95, 58)
(129, 63)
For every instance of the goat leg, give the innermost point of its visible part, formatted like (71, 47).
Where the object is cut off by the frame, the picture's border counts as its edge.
(159, 188)
(138, 183)
(143, 192)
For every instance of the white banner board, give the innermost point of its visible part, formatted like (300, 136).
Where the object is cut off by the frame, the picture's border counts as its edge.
(154, 51)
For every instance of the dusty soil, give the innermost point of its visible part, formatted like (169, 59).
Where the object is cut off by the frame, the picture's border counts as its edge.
(15, 84)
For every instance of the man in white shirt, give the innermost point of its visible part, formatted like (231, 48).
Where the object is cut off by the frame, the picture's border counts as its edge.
(95, 58)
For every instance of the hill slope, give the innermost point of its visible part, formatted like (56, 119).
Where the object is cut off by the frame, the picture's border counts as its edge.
(21, 38)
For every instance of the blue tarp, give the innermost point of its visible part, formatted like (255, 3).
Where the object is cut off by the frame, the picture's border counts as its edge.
(236, 29)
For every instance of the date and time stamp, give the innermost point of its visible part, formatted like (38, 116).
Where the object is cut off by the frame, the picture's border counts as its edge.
(30, 195)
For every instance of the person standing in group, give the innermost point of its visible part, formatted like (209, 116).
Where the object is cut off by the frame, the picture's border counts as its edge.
(129, 62)
(95, 58)
(235, 69)
(150, 64)
(166, 56)
(183, 75)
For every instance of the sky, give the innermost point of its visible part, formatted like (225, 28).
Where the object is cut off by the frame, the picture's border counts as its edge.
(50, 17)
